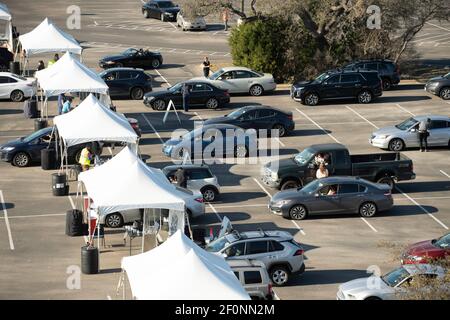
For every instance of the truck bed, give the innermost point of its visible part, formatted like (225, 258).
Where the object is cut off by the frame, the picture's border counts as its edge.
(377, 157)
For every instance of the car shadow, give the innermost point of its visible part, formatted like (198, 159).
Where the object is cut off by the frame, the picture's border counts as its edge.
(308, 132)
(170, 66)
(112, 270)
(233, 197)
(10, 111)
(401, 87)
(334, 276)
(210, 27)
(393, 99)
(279, 152)
(426, 186)
(407, 210)
(7, 205)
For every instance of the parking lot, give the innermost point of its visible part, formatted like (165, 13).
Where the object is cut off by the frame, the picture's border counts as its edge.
(36, 254)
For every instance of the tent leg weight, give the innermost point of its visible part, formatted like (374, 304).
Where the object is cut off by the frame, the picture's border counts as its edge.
(89, 260)
(59, 184)
(74, 223)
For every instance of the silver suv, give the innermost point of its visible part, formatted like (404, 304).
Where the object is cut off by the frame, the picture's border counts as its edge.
(254, 278)
(278, 250)
(199, 178)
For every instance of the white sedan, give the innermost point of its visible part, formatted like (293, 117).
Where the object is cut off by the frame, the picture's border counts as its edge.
(389, 286)
(15, 87)
(186, 23)
(242, 80)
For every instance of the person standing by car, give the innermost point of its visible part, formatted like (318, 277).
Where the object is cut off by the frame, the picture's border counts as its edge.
(61, 100)
(226, 18)
(67, 105)
(423, 134)
(86, 157)
(180, 177)
(185, 92)
(322, 172)
(206, 67)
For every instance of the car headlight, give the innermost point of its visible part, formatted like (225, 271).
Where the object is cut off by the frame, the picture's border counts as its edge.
(274, 175)
(8, 148)
(415, 258)
(433, 84)
(109, 62)
(150, 98)
(383, 136)
(168, 14)
(281, 203)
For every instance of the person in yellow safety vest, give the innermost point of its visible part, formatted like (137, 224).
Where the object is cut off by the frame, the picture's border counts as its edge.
(85, 158)
(52, 61)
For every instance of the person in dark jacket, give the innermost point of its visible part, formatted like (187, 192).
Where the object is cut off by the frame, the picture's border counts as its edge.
(41, 65)
(424, 125)
(186, 93)
(180, 177)
(206, 67)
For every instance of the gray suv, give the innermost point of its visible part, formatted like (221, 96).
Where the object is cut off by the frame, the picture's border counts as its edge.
(439, 86)
(278, 250)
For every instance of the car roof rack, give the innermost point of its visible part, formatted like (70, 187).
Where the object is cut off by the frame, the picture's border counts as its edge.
(236, 233)
(263, 232)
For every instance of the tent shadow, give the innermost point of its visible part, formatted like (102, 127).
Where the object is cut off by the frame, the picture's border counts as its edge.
(10, 111)
(112, 270)
(318, 277)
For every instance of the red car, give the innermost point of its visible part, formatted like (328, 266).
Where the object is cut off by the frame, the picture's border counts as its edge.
(424, 251)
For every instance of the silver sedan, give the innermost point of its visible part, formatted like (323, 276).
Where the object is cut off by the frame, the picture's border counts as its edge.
(404, 135)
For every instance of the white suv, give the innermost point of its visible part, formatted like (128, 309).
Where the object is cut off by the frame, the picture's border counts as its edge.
(278, 250)
(199, 178)
(15, 87)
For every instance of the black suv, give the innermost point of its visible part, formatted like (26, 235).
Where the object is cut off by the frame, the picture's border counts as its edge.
(363, 85)
(127, 82)
(388, 70)
(439, 86)
(161, 9)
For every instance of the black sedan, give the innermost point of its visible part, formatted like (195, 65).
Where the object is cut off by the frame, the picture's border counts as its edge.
(258, 118)
(135, 58)
(127, 82)
(24, 151)
(160, 9)
(202, 94)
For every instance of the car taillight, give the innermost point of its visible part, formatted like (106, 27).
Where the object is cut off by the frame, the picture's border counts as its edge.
(397, 69)
(269, 288)
(199, 200)
(134, 125)
(299, 252)
(388, 194)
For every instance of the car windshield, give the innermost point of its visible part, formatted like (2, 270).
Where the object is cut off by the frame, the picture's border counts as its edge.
(405, 125)
(396, 276)
(20, 77)
(447, 75)
(303, 157)
(217, 245)
(176, 87)
(37, 134)
(237, 113)
(321, 78)
(166, 4)
(215, 74)
(129, 52)
(312, 187)
(443, 242)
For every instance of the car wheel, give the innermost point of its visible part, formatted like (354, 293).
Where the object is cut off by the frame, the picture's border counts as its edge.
(368, 209)
(241, 151)
(137, 93)
(386, 84)
(281, 130)
(372, 298)
(114, 220)
(279, 275)
(396, 145)
(21, 159)
(445, 93)
(209, 194)
(311, 99)
(146, 14)
(387, 180)
(298, 212)
(159, 105)
(256, 90)
(17, 96)
(212, 103)
(156, 63)
(290, 184)
(364, 97)
(163, 17)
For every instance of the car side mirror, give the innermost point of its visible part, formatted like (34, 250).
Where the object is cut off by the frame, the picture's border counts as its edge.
(413, 130)
(224, 255)
(219, 78)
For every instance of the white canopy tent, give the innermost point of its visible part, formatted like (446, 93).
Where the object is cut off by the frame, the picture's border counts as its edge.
(68, 75)
(180, 270)
(48, 38)
(6, 26)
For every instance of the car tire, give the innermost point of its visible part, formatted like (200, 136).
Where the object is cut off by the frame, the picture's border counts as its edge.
(279, 275)
(163, 18)
(387, 85)
(114, 220)
(137, 93)
(386, 179)
(159, 105)
(445, 93)
(368, 209)
(17, 96)
(21, 160)
(212, 103)
(209, 194)
(146, 14)
(156, 63)
(396, 145)
(365, 97)
(290, 184)
(256, 90)
(372, 298)
(241, 151)
(298, 212)
(281, 129)
(311, 99)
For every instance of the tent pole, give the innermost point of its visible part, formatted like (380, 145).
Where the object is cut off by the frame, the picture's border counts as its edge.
(143, 229)
(98, 237)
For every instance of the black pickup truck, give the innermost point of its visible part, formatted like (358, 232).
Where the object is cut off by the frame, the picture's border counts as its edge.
(301, 169)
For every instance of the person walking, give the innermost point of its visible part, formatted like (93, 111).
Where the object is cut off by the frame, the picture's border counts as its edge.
(67, 105)
(225, 18)
(61, 100)
(424, 125)
(86, 157)
(186, 93)
(206, 67)
(180, 177)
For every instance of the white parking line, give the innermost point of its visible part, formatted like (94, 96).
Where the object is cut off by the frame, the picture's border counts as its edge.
(398, 105)
(264, 189)
(359, 115)
(444, 173)
(71, 202)
(371, 227)
(215, 211)
(153, 128)
(436, 26)
(8, 227)
(38, 216)
(198, 116)
(317, 125)
(162, 77)
(298, 227)
(422, 208)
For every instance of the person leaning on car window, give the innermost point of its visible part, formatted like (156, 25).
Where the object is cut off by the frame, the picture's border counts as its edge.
(322, 172)
(180, 178)
(424, 125)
